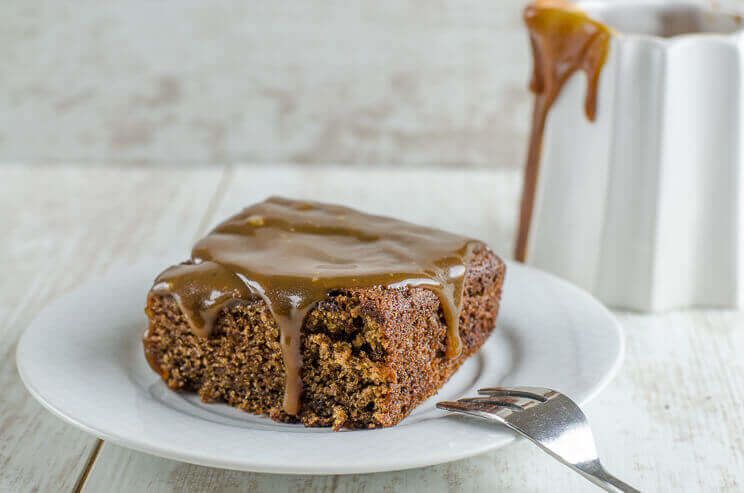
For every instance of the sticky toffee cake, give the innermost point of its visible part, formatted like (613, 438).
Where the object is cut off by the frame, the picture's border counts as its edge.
(320, 314)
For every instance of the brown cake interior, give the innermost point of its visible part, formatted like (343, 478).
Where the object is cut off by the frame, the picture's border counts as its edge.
(369, 355)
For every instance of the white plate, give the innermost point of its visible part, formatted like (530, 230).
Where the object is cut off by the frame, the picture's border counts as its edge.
(82, 359)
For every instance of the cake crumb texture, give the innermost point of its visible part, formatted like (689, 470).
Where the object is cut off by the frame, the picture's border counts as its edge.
(370, 355)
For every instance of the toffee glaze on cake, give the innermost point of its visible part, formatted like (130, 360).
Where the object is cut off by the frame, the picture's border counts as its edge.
(564, 40)
(292, 254)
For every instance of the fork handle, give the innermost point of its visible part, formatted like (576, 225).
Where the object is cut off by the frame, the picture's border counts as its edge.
(599, 476)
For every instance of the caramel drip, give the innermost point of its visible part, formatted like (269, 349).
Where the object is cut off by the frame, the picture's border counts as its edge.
(564, 40)
(292, 254)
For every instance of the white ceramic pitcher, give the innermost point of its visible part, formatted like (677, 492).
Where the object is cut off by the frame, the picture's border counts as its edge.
(643, 207)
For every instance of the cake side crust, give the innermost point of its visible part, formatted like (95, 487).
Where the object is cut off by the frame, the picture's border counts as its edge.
(369, 355)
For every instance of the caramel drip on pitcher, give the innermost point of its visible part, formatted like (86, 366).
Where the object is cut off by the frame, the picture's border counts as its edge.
(564, 39)
(292, 254)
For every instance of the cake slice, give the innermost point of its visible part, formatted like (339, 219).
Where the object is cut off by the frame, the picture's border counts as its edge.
(320, 314)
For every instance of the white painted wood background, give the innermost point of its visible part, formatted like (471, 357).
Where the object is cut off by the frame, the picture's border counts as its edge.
(175, 82)
(184, 81)
(672, 420)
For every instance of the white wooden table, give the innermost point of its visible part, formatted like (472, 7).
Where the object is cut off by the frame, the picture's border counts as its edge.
(672, 420)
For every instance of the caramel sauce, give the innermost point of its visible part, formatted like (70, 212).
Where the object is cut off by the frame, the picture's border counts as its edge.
(564, 40)
(292, 254)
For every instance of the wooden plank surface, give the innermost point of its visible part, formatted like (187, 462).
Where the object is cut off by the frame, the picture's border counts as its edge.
(60, 227)
(671, 421)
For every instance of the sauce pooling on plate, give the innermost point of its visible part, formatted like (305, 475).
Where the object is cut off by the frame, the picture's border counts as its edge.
(293, 253)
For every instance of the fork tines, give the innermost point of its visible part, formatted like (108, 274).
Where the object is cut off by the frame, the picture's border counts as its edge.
(501, 401)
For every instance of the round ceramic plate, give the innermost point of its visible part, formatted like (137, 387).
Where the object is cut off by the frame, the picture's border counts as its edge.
(82, 359)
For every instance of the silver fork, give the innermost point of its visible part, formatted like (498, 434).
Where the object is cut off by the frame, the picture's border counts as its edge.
(547, 418)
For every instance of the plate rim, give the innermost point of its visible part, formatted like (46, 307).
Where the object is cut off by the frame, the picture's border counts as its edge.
(205, 459)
